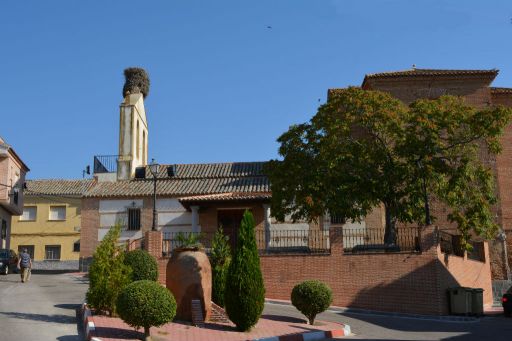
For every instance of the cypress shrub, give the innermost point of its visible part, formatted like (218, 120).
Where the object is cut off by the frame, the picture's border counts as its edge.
(311, 298)
(220, 260)
(108, 274)
(244, 294)
(146, 304)
(143, 265)
(136, 80)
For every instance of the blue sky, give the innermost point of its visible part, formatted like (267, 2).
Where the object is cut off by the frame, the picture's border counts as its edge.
(223, 85)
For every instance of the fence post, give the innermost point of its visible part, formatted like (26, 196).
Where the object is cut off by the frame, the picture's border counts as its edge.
(336, 240)
(153, 243)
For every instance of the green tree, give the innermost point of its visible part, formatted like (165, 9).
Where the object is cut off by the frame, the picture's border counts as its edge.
(108, 274)
(311, 298)
(145, 304)
(220, 259)
(366, 148)
(244, 295)
(143, 265)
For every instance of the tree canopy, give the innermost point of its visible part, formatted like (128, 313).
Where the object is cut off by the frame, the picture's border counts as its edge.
(365, 148)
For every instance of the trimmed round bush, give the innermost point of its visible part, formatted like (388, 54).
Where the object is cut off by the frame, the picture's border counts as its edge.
(311, 298)
(144, 266)
(146, 304)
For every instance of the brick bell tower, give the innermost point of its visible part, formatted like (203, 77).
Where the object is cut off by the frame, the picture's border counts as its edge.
(133, 126)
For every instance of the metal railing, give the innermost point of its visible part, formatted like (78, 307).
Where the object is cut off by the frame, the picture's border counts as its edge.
(105, 163)
(268, 242)
(361, 239)
(451, 244)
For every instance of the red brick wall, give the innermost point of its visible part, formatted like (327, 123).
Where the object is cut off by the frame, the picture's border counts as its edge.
(398, 282)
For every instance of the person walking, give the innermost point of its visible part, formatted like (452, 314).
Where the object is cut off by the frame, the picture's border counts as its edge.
(24, 264)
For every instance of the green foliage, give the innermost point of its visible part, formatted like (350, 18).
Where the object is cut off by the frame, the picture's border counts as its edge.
(244, 295)
(143, 265)
(189, 240)
(220, 260)
(146, 304)
(366, 148)
(108, 274)
(311, 298)
(136, 81)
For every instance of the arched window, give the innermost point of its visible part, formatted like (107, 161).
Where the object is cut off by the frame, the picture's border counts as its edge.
(138, 141)
(144, 147)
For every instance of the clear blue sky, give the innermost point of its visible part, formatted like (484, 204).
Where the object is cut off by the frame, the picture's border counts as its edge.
(223, 85)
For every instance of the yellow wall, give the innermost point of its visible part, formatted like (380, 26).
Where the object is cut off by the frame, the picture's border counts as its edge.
(43, 231)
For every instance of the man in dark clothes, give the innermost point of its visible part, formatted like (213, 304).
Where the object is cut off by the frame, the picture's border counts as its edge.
(25, 264)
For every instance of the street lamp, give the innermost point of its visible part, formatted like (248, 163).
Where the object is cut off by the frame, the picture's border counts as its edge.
(153, 167)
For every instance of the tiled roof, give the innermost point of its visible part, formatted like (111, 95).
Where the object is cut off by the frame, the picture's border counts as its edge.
(57, 187)
(191, 179)
(227, 197)
(492, 73)
(496, 90)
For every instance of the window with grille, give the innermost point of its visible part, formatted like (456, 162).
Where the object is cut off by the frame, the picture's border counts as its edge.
(133, 218)
(76, 246)
(30, 250)
(52, 252)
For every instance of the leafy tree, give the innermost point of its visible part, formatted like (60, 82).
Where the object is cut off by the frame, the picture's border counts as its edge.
(220, 259)
(146, 304)
(311, 298)
(143, 265)
(244, 295)
(366, 148)
(189, 240)
(108, 274)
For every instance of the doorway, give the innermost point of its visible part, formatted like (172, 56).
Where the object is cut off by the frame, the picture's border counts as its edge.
(230, 222)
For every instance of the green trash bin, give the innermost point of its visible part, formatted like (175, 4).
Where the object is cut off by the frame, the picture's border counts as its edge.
(477, 301)
(460, 300)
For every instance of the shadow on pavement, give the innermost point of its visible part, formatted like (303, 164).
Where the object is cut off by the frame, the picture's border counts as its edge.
(123, 334)
(70, 338)
(67, 306)
(40, 317)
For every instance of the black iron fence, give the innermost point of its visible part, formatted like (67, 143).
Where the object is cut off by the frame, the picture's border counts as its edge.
(451, 244)
(273, 241)
(361, 239)
(105, 163)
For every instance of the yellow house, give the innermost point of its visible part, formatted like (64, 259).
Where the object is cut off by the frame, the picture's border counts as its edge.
(49, 227)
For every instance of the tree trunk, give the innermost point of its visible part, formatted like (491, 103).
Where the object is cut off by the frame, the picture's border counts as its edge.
(390, 231)
(146, 333)
(311, 320)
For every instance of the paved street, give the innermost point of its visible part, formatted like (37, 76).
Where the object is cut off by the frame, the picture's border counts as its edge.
(42, 309)
(368, 327)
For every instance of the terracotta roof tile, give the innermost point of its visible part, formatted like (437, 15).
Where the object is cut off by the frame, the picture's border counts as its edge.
(58, 187)
(496, 90)
(492, 73)
(227, 197)
(191, 179)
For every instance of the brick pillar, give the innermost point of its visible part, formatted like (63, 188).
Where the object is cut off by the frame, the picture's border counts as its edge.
(429, 239)
(153, 243)
(336, 240)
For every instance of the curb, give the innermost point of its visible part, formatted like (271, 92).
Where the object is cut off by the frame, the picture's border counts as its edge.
(310, 336)
(88, 323)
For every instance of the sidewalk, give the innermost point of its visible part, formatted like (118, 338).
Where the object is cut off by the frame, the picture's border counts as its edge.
(114, 329)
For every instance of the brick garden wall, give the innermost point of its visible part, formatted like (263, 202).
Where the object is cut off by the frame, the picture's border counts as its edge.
(398, 282)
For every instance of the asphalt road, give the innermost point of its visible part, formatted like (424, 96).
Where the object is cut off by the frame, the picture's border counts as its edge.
(42, 309)
(371, 327)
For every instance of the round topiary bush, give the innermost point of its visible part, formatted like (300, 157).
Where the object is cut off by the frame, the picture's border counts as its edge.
(144, 266)
(146, 304)
(311, 298)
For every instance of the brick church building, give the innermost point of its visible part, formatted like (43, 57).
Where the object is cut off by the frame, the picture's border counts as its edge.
(197, 198)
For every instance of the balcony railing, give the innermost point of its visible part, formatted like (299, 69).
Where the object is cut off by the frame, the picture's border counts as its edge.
(105, 163)
(268, 242)
(361, 239)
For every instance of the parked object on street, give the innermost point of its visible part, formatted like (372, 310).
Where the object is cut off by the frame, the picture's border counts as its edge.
(460, 300)
(8, 261)
(506, 302)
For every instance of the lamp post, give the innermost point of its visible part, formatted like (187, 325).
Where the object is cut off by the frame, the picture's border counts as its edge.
(153, 167)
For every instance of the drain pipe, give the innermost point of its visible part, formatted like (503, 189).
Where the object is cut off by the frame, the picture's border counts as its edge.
(503, 237)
